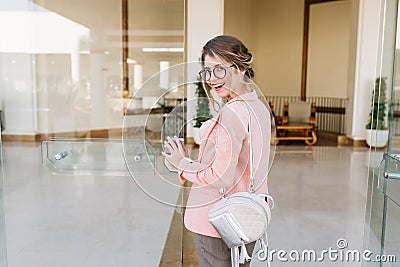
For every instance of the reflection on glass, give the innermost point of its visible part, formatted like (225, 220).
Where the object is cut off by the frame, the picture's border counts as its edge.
(65, 76)
(391, 249)
(62, 76)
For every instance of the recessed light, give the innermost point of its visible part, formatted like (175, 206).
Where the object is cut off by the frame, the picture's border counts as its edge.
(163, 49)
(130, 61)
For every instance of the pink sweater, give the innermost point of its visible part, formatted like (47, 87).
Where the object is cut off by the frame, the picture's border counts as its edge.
(226, 165)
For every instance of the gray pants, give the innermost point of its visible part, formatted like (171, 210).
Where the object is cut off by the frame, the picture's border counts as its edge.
(213, 252)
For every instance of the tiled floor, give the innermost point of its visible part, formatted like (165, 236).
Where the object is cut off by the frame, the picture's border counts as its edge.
(320, 194)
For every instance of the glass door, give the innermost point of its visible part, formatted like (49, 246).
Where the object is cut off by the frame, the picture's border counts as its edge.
(89, 90)
(3, 241)
(383, 211)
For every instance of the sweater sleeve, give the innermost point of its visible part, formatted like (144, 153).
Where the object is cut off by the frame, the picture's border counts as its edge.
(220, 172)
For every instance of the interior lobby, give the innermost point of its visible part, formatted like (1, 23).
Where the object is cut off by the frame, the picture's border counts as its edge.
(90, 89)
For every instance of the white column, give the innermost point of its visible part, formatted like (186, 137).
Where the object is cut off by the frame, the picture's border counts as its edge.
(18, 87)
(98, 94)
(362, 65)
(137, 78)
(164, 74)
(75, 64)
(205, 21)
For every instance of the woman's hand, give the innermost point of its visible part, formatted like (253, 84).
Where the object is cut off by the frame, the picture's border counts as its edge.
(174, 152)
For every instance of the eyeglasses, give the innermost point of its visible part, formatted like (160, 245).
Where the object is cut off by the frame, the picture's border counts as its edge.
(219, 72)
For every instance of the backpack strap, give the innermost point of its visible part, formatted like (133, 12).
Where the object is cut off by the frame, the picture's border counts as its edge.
(263, 253)
(251, 185)
(244, 256)
(239, 258)
(235, 256)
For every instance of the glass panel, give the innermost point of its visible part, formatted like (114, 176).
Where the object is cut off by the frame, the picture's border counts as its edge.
(391, 249)
(391, 183)
(3, 242)
(83, 156)
(67, 79)
(373, 232)
(383, 192)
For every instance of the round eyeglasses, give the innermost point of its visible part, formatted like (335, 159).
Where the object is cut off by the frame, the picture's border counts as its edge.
(219, 72)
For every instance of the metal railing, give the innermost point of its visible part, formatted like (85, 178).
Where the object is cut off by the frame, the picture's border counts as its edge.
(330, 115)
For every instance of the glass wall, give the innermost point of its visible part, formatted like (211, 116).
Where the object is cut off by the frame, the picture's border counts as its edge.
(74, 75)
(383, 209)
(3, 241)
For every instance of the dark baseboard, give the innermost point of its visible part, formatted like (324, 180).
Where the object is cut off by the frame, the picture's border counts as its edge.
(101, 133)
(347, 141)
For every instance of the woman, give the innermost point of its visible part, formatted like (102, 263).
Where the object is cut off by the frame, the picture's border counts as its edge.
(224, 151)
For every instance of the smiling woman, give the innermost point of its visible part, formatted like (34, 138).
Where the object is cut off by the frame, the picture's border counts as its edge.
(226, 150)
(227, 66)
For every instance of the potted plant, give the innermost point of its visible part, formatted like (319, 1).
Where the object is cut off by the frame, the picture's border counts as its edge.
(377, 132)
(203, 112)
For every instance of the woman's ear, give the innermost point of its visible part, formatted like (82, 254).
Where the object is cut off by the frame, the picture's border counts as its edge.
(242, 70)
(242, 73)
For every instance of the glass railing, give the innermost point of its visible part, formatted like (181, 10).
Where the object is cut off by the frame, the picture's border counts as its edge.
(97, 156)
(389, 177)
(134, 158)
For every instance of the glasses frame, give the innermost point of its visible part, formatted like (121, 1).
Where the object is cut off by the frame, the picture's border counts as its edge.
(208, 70)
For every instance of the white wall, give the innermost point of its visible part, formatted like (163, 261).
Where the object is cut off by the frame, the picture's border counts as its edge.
(240, 21)
(273, 31)
(28, 77)
(38, 32)
(18, 88)
(278, 27)
(328, 49)
(278, 52)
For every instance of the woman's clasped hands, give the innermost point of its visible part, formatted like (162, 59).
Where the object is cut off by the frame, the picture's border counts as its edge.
(174, 152)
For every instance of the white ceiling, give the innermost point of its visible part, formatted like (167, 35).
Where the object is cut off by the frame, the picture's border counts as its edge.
(105, 15)
(152, 23)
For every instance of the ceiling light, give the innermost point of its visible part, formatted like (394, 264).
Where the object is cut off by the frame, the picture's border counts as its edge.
(130, 61)
(163, 49)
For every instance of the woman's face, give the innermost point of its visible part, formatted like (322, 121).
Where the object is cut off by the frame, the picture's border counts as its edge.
(225, 86)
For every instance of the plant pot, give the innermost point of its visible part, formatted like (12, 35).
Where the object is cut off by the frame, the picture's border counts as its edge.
(196, 135)
(377, 138)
